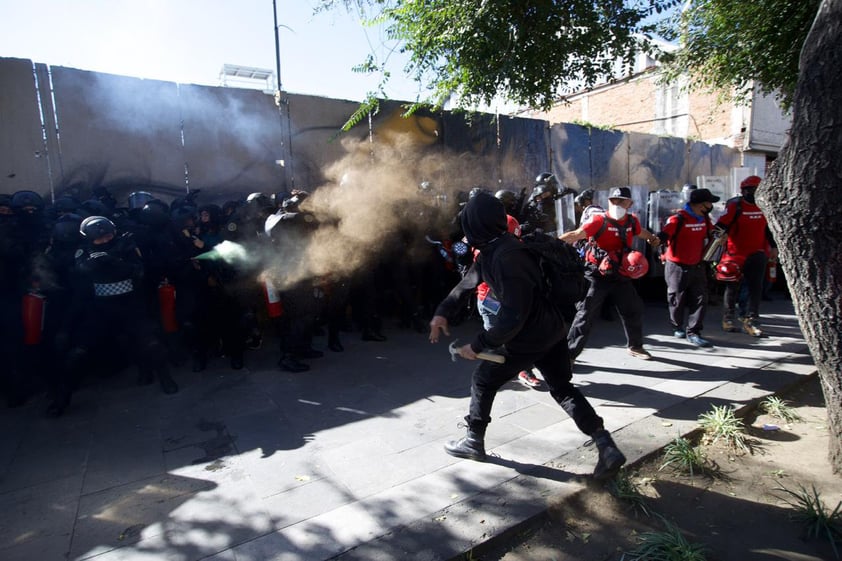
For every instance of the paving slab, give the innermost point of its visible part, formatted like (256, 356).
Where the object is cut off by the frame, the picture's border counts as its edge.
(346, 461)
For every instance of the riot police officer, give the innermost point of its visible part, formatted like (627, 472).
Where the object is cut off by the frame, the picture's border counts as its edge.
(107, 307)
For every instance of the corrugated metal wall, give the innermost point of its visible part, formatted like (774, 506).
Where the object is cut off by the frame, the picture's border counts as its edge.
(66, 129)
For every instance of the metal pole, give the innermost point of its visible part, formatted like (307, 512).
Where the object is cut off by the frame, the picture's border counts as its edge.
(286, 151)
(277, 45)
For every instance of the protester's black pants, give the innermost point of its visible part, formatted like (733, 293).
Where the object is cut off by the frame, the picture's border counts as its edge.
(554, 365)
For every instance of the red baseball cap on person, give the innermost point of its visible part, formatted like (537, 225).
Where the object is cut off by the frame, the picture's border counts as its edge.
(750, 181)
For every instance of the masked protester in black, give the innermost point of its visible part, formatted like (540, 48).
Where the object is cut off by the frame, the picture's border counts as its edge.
(527, 330)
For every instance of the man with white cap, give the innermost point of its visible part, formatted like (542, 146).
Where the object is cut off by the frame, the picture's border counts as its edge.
(610, 235)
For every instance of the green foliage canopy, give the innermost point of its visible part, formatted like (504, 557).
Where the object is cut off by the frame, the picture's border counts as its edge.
(529, 52)
(730, 45)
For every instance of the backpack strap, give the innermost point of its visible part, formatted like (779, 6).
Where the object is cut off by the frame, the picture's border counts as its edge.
(679, 225)
(737, 214)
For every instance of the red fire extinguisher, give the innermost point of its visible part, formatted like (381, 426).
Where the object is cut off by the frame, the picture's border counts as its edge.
(274, 306)
(166, 301)
(33, 307)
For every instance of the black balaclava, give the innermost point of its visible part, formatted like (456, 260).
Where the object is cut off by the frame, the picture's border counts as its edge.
(483, 219)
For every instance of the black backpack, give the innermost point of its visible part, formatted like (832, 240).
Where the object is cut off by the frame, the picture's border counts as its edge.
(561, 266)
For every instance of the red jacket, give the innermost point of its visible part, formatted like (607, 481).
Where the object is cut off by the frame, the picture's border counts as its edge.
(748, 233)
(687, 235)
(609, 239)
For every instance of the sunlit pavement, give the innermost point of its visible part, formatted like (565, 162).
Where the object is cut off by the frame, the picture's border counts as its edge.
(346, 460)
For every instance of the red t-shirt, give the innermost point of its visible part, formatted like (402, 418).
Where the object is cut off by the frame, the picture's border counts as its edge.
(610, 239)
(748, 234)
(686, 246)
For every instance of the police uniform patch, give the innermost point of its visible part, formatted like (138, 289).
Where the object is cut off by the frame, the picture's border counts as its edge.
(232, 226)
(78, 253)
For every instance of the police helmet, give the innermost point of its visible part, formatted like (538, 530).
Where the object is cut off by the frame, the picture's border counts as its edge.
(547, 179)
(65, 204)
(93, 207)
(477, 190)
(585, 197)
(508, 198)
(154, 213)
(139, 198)
(66, 229)
(259, 200)
(27, 199)
(95, 227)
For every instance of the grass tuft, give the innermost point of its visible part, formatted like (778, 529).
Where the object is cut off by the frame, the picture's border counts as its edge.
(627, 491)
(681, 455)
(811, 511)
(669, 545)
(780, 409)
(721, 423)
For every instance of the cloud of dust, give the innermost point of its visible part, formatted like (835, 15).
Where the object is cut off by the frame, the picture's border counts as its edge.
(372, 203)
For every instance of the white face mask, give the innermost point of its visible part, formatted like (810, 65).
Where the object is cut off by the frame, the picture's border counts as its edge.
(616, 211)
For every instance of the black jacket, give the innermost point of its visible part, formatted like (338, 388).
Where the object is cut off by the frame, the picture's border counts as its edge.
(527, 321)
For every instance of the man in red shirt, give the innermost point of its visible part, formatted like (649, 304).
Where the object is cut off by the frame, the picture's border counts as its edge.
(748, 236)
(603, 229)
(686, 233)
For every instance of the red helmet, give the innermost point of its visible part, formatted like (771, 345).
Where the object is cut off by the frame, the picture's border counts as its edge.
(634, 265)
(750, 181)
(728, 271)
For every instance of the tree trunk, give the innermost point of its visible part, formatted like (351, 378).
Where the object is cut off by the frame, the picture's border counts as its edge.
(802, 199)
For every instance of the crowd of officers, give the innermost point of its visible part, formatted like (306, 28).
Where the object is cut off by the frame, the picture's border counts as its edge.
(99, 269)
(98, 273)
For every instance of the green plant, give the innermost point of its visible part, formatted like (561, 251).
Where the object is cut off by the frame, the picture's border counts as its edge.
(779, 408)
(626, 490)
(722, 423)
(669, 545)
(814, 515)
(682, 456)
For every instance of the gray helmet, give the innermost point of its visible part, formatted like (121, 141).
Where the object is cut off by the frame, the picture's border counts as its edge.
(584, 197)
(548, 180)
(95, 227)
(139, 198)
(508, 198)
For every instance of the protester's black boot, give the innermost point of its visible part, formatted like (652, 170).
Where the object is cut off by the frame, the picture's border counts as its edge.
(471, 446)
(610, 458)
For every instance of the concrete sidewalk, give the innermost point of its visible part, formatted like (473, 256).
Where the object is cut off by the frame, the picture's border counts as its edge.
(346, 461)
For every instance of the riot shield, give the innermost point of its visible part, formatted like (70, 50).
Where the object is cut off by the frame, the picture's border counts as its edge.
(718, 185)
(663, 204)
(565, 214)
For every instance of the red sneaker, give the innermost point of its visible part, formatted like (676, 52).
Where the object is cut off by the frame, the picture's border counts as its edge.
(528, 379)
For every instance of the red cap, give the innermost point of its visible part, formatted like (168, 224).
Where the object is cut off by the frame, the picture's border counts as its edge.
(750, 181)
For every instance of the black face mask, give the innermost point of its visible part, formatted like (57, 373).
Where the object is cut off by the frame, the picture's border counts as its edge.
(707, 210)
(748, 195)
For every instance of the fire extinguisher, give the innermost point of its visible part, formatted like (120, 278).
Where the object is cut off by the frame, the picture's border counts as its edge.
(33, 307)
(274, 307)
(166, 301)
